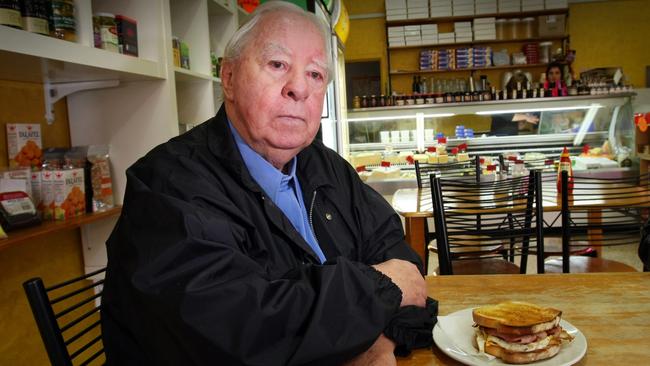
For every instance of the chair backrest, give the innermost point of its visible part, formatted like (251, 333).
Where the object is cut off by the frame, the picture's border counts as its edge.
(68, 318)
(599, 212)
(479, 215)
(446, 170)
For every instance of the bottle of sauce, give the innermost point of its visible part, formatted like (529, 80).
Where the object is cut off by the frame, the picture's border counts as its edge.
(565, 166)
(10, 14)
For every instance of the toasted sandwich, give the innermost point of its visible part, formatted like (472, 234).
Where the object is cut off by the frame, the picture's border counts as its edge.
(519, 332)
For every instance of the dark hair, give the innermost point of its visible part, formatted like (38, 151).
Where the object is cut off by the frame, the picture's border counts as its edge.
(553, 65)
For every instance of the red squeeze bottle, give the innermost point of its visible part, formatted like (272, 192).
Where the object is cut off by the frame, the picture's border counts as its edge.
(565, 165)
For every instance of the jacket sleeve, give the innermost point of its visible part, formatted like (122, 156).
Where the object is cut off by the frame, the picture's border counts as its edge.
(202, 299)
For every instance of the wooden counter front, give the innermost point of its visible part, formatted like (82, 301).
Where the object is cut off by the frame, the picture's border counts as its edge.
(611, 309)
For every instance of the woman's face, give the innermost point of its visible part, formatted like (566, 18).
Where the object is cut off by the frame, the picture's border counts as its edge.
(554, 74)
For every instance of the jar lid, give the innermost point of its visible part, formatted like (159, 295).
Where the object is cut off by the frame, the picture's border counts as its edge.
(514, 20)
(528, 19)
(500, 21)
(108, 15)
(548, 43)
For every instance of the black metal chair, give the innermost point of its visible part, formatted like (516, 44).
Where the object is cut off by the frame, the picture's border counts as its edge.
(476, 216)
(465, 169)
(68, 318)
(615, 219)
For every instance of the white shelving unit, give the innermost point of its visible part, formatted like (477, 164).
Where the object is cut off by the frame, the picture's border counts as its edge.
(147, 97)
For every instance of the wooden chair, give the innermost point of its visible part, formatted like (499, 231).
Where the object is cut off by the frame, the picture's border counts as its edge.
(616, 219)
(67, 316)
(480, 215)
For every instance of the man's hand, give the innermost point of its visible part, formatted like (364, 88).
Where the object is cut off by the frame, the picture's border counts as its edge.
(407, 277)
(379, 354)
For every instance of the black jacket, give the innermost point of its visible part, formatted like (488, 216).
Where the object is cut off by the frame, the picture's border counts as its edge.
(203, 268)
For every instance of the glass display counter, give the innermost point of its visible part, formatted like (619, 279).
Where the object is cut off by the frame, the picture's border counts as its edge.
(382, 143)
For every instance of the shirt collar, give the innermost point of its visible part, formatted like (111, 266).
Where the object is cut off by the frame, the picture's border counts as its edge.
(266, 175)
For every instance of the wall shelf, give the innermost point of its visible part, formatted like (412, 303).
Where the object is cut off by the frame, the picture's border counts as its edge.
(185, 75)
(46, 58)
(219, 7)
(494, 41)
(393, 23)
(51, 227)
(505, 67)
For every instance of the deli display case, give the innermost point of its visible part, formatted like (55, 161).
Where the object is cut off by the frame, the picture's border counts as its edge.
(598, 130)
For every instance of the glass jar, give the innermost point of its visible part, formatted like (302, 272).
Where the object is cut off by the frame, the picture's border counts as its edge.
(63, 23)
(513, 28)
(545, 52)
(501, 28)
(364, 101)
(36, 16)
(10, 14)
(528, 28)
(107, 28)
(356, 102)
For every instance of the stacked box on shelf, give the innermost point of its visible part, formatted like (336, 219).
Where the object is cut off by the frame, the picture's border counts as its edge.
(463, 31)
(396, 10)
(428, 60)
(532, 5)
(446, 38)
(509, 6)
(482, 56)
(440, 8)
(485, 29)
(463, 7)
(556, 4)
(412, 35)
(531, 50)
(446, 59)
(464, 58)
(396, 37)
(417, 9)
(429, 33)
(485, 7)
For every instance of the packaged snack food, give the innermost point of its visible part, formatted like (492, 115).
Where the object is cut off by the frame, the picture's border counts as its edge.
(24, 144)
(68, 191)
(101, 182)
(17, 210)
(52, 162)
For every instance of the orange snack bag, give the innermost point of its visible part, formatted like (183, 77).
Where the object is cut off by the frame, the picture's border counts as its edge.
(69, 193)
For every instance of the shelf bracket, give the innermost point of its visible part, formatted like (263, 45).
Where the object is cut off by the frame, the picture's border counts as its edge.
(55, 91)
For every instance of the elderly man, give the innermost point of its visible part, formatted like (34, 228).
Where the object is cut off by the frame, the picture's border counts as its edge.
(245, 241)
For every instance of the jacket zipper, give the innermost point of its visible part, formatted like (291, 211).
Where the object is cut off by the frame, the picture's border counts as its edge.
(311, 217)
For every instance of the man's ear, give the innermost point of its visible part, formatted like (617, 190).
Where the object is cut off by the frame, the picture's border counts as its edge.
(227, 80)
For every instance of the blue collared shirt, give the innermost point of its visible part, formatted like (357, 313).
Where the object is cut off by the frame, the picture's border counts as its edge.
(283, 189)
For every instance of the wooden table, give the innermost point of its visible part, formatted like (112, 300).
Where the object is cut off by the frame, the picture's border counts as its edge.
(415, 206)
(612, 310)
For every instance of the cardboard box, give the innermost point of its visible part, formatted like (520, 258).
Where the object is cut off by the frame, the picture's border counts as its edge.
(68, 188)
(551, 25)
(396, 12)
(395, 17)
(395, 4)
(556, 4)
(127, 35)
(24, 145)
(417, 15)
(440, 12)
(489, 20)
(395, 31)
(37, 192)
(47, 194)
(417, 3)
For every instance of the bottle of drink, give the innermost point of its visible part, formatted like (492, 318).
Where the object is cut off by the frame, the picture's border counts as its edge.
(565, 166)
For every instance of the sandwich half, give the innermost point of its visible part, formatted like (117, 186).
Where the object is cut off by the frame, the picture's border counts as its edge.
(519, 332)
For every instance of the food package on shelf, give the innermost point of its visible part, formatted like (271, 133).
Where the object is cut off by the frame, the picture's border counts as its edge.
(24, 145)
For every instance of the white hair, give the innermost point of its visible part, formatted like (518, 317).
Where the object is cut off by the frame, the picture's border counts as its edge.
(245, 34)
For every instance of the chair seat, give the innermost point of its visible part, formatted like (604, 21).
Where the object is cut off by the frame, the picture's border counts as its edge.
(482, 266)
(469, 248)
(553, 248)
(586, 264)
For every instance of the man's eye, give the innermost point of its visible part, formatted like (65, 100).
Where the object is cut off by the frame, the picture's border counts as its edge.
(276, 64)
(315, 75)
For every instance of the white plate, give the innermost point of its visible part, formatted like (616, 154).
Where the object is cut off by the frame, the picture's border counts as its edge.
(454, 335)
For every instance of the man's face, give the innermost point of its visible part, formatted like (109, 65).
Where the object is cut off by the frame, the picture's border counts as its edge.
(275, 91)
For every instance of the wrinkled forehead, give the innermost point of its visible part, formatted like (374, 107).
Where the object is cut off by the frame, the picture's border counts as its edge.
(280, 34)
